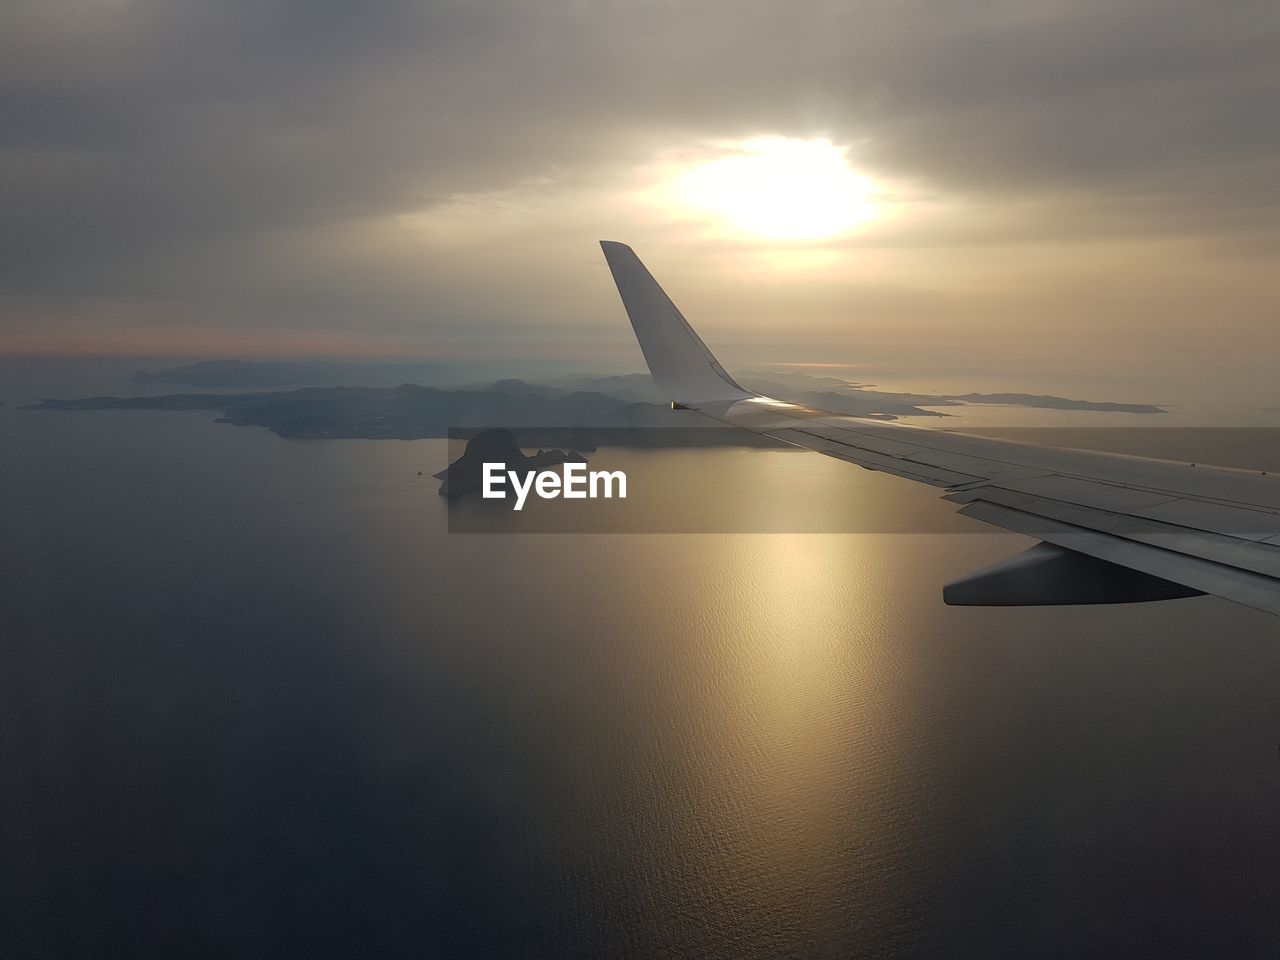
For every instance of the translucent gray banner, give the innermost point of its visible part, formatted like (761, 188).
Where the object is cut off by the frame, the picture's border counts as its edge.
(721, 480)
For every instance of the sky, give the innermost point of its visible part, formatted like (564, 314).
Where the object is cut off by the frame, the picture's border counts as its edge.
(1008, 189)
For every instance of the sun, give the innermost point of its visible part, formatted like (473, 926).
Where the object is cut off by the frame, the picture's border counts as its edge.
(779, 188)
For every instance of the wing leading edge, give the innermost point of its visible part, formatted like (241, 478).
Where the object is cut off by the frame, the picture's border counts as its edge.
(1118, 529)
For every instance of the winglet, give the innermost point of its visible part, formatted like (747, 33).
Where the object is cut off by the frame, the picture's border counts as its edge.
(682, 366)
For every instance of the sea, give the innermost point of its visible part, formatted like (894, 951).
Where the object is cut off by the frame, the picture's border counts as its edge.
(258, 698)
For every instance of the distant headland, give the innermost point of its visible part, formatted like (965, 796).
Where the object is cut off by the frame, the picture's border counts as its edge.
(578, 413)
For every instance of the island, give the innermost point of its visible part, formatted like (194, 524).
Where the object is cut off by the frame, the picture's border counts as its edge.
(573, 414)
(497, 446)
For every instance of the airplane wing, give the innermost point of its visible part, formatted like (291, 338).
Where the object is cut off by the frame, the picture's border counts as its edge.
(1113, 529)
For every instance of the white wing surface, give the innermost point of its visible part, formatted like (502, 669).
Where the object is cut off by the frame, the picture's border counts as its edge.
(1114, 528)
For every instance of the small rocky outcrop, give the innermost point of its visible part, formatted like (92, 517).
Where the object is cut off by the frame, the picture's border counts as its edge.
(496, 446)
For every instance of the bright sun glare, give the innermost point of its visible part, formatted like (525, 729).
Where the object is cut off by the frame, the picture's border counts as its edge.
(779, 188)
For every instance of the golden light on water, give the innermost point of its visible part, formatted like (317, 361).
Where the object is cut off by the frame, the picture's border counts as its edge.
(778, 188)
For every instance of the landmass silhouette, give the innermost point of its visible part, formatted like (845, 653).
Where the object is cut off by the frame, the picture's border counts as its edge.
(572, 414)
(496, 446)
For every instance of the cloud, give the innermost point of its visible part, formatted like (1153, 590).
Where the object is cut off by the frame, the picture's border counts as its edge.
(271, 157)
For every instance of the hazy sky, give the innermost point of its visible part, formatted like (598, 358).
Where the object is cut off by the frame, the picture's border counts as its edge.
(1078, 187)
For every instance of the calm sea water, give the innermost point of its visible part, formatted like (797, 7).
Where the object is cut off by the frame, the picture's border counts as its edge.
(255, 701)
